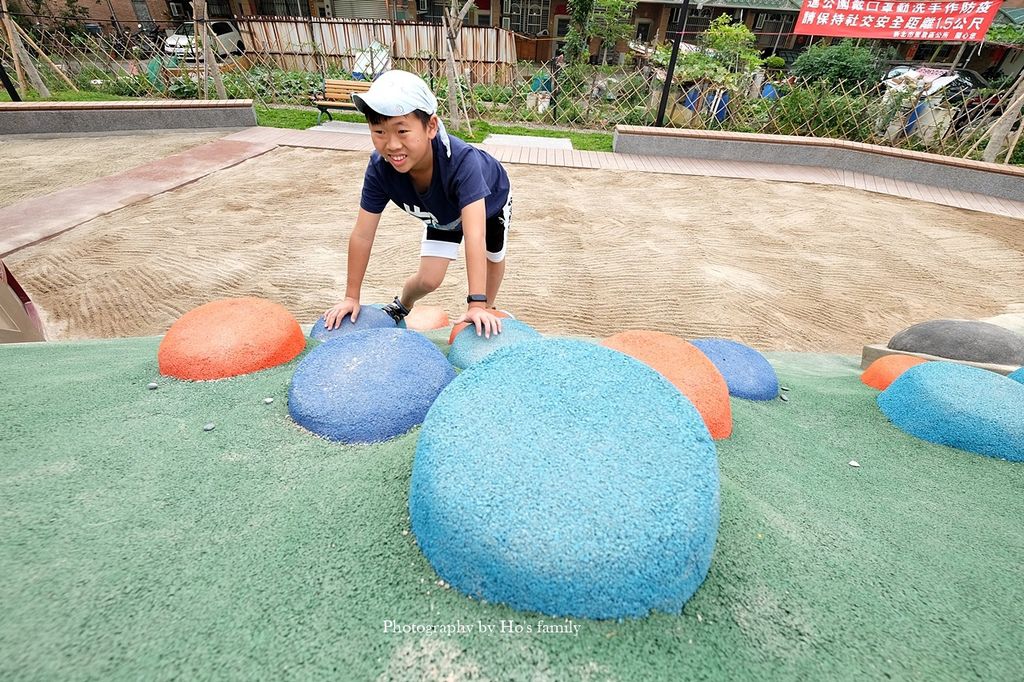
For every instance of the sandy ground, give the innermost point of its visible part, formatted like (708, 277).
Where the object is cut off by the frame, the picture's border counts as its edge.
(33, 167)
(778, 266)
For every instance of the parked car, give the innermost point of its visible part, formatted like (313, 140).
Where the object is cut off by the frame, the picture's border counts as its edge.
(182, 43)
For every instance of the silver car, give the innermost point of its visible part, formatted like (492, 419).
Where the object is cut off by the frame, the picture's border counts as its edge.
(182, 43)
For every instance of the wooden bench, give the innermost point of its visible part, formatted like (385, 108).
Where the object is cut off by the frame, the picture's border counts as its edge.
(337, 94)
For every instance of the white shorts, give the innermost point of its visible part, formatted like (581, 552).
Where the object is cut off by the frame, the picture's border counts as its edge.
(445, 243)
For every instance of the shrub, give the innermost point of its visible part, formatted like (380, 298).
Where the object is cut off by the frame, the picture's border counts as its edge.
(845, 62)
(819, 111)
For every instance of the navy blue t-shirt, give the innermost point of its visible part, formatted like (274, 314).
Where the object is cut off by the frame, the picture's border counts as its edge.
(469, 175)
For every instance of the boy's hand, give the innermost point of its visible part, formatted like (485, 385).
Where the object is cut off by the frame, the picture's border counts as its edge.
(333, 317)
(484, 321)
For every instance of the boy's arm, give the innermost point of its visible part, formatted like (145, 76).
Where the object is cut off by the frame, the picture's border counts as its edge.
(474, 225)
(360, 242)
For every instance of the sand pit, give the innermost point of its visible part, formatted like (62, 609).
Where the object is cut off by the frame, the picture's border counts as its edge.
(777, 266)
(33, 167)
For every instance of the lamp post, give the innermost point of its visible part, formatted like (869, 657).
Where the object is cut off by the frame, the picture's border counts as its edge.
(672, 65)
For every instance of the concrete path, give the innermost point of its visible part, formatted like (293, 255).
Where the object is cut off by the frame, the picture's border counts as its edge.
(574, 158)
(33, 220)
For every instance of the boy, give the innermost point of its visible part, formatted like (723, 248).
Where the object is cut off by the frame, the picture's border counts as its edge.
(452, 187)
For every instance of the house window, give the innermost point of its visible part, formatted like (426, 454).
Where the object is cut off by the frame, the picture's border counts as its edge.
(562, 24)
(698, 21)
(281, 8)
(528, 17)
(643, 31)
(675, 17)
(483, 18)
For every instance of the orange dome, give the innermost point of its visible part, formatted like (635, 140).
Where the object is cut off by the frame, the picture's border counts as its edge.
(462, 325)
(887, 368)
(688, 368)
(229, 337)
(426, 317)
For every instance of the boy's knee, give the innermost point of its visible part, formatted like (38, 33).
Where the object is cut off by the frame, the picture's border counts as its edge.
(429, 281)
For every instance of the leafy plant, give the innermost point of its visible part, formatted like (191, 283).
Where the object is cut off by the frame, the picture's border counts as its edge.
(727, 60)
(845, 62)
(577, 49)
(818, 110)
(1006, 34)
(611, 23)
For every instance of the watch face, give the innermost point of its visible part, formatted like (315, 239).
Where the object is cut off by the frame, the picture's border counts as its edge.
(476, 298)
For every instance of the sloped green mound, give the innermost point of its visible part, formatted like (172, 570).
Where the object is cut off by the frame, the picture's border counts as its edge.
(134, 544)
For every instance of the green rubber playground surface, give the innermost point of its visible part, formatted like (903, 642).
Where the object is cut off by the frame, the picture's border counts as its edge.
(136, 545)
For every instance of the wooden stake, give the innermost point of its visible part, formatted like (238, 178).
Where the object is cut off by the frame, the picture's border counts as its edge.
(42, 55)
(30, 67)
(14, 49)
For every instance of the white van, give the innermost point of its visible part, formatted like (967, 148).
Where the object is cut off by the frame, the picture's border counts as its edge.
(182, 43)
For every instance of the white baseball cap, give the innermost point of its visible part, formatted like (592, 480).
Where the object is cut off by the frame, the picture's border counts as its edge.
(396, 93)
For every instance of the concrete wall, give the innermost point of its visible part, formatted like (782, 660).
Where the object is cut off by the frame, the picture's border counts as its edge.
(23, 118)
(929, 169)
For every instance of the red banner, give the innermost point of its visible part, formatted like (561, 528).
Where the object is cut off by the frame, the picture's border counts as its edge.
(951, 22)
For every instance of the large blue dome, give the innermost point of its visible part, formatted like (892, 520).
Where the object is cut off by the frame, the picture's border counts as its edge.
(566, 478)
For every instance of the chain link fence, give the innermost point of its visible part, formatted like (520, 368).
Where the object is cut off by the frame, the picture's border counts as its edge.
(944, 115)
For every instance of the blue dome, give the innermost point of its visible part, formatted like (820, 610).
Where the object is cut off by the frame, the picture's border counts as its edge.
(370, 317)
(369, 386)
(468, 348)
(1017, 376)
(536, 484)
(959, 406)
(748, 374)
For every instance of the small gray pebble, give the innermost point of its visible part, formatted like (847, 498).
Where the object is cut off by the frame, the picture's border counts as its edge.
(267, 401)
(151, 385)
(854, 464)
(783, 398)
(784, 388)
(209, 426)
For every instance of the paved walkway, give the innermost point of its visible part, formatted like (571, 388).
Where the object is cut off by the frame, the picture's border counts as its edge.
(574, 158)
(33, 220)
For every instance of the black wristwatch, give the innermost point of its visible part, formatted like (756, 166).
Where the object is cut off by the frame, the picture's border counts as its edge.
(476, 298)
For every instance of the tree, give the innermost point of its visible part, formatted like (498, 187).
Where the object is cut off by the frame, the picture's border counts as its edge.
(610, 21)
(577, 49)
(729, 58)
(453, 18)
